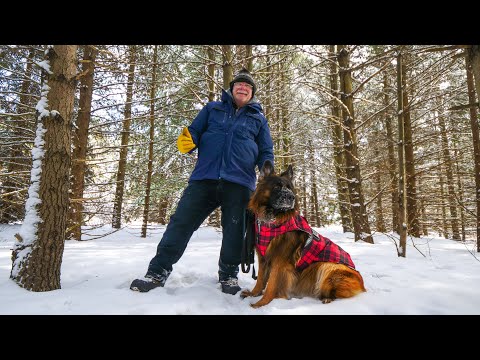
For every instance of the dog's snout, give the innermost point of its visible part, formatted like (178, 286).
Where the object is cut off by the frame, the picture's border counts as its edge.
(287, 195)
(282, 199)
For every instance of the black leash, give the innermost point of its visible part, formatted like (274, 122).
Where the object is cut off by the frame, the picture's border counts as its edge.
(248, 248)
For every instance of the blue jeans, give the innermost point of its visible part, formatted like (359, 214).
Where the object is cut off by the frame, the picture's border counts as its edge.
(199, 199)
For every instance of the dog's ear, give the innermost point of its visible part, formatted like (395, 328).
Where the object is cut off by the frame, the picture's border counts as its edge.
(267, 169)
(288, 173)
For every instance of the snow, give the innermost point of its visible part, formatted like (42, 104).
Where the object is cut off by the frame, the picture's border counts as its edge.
(96, 275)
(29, 227)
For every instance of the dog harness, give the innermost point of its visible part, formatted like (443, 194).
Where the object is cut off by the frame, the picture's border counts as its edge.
(317, 247)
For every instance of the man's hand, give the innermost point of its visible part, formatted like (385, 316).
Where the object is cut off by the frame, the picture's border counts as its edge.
(185, 142)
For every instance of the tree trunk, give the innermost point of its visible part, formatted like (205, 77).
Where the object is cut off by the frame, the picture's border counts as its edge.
(249, 58)
(423, 210)
(449, 172)
(313, 179)
(338, 153)
(402, 216)
(79, 142)
(379, 220)
(162, 211)
(285, 132)
(146, 205)
(359, 214)
(461, 197)
(122, 162)
(215, 218)
(391, 156)
(442, 203)
(304, 195)
(473, 54)
(12, 205)
(473, 60)
(211, 73)
(410, 181)
(227, 66)
(240, 55)
(275, 121)
(38, 249)
(268, 85)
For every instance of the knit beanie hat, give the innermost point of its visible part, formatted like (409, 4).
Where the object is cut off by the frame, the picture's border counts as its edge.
(244, 76)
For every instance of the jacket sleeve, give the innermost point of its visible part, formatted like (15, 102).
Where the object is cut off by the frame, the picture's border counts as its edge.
(265, 145)
(199, 125)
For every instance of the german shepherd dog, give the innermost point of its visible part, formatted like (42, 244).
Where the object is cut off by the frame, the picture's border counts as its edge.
(295, 263)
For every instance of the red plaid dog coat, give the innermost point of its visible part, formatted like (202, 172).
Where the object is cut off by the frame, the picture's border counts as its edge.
(317, 247)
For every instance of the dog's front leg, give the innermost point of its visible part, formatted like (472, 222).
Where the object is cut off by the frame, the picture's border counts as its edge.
(261, 280)
(280, 283)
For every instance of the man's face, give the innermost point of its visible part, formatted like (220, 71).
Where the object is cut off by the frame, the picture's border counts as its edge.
(242, 93)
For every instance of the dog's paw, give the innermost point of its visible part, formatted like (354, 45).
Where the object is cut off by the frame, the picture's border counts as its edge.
(248, 293)
(245, 293)
(262, 302)
(327, 300)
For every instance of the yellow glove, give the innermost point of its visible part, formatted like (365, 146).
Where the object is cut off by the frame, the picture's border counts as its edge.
(185, 142)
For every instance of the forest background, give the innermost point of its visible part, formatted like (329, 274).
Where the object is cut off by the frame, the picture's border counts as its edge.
(383, 138)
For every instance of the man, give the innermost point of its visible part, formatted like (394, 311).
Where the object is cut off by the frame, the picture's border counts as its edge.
(232, 137)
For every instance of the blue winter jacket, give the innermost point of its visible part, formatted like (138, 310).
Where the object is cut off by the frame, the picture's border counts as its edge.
(230, 144)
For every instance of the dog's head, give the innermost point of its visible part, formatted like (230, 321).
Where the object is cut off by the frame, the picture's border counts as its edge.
(274, 197)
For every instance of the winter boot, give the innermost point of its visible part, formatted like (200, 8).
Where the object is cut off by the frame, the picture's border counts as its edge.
(150, 281)
(230, 285)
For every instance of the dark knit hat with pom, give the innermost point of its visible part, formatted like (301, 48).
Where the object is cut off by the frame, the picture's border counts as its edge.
(244, 76)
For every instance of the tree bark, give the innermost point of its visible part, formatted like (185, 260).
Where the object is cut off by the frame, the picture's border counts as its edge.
(211, 73)
(285, 132)
(162, 211)
(359, 214)
(461, 197)
(146, 205)
(422, 209)
(12, 205)
(313, 179)
(215, 218)
(442, 203)
(473, 54)
(391, 156)
(379, 219)
(80, 143)
(227, 66)
(268, 85)
(304, 195)
(249, 58)
(449, 173)
(122, 162)
(38, 250)
(338, 153)
(402, 216)
(472, 63)
(410, 180)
